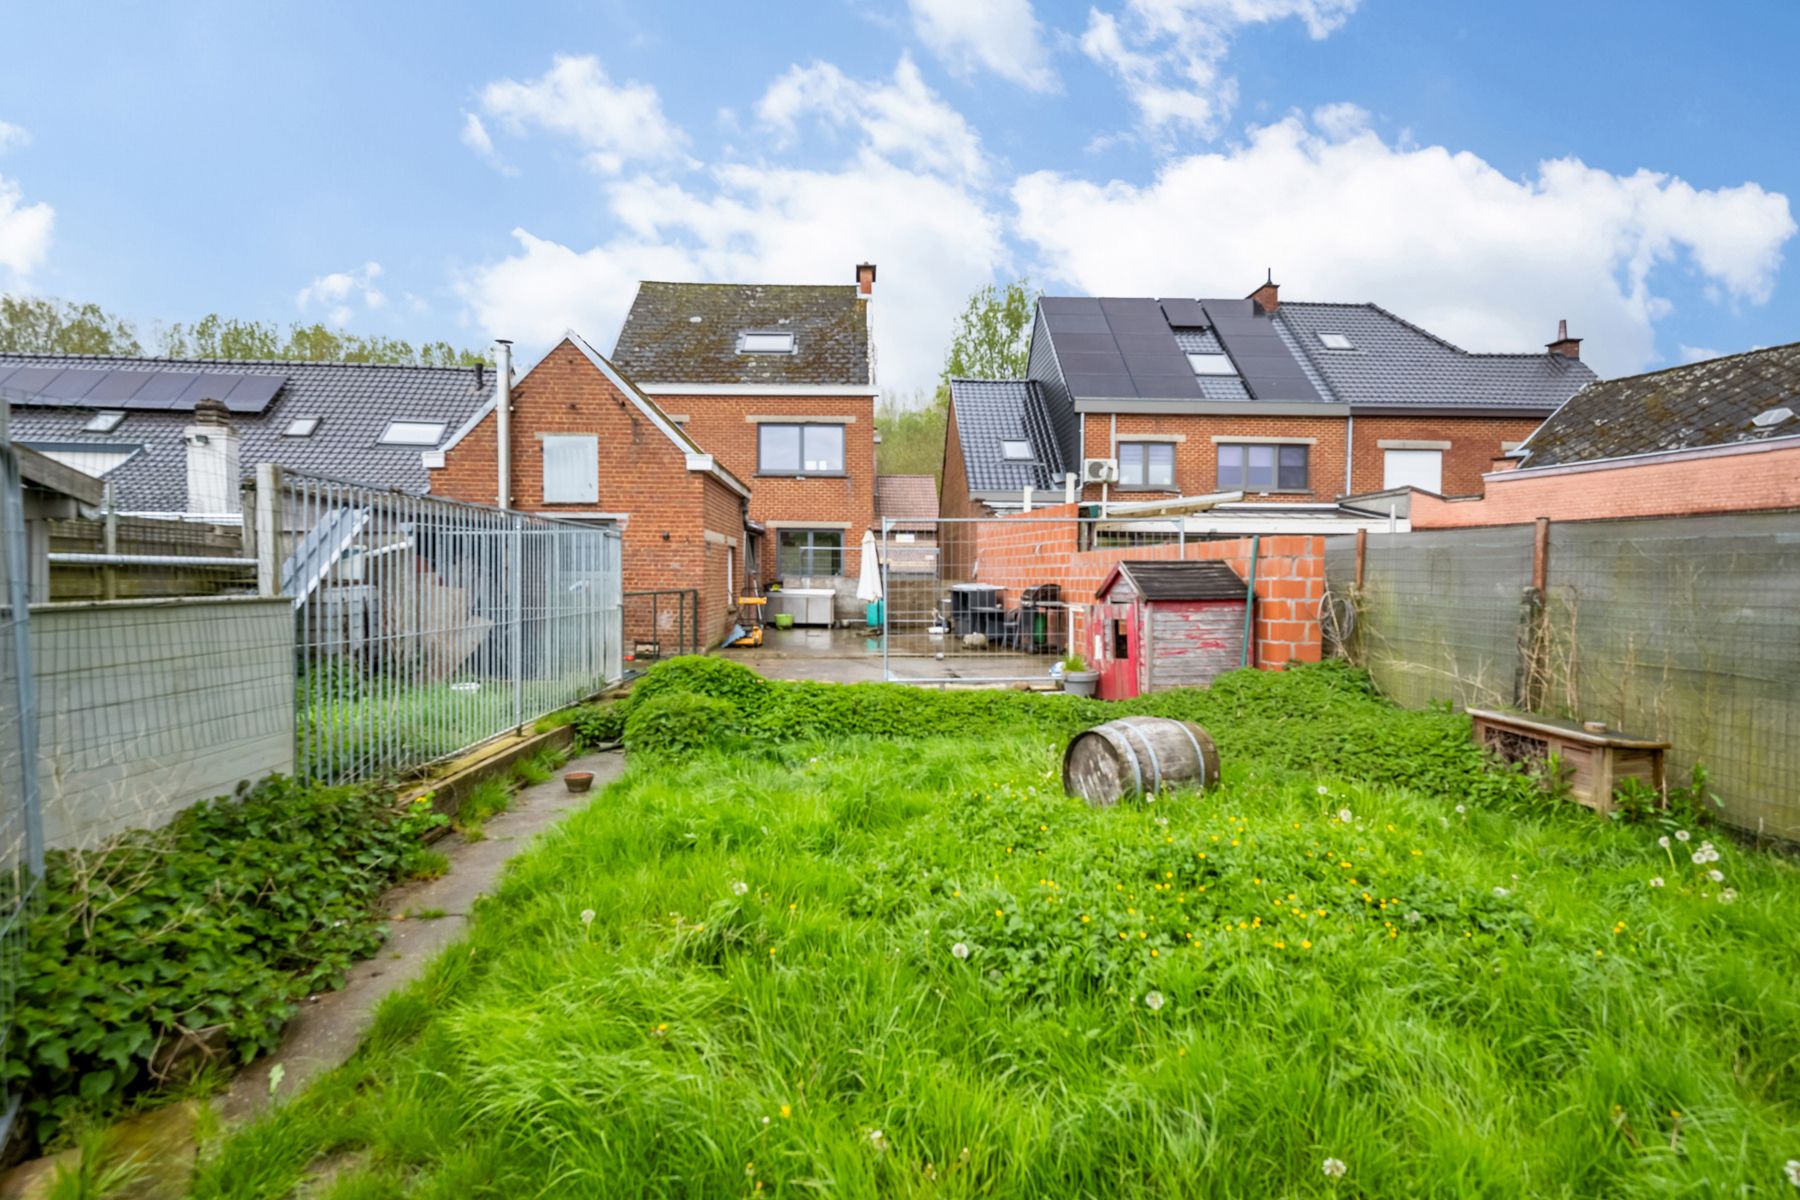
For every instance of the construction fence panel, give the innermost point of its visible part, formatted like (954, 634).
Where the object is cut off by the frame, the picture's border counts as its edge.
(425, 627)
(21, 833)
(1684, 629)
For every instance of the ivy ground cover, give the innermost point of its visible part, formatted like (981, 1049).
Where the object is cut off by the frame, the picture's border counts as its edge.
(876, 966)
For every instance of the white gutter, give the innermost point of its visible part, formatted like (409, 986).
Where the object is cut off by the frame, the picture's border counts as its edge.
(757, 389)
(503, 421)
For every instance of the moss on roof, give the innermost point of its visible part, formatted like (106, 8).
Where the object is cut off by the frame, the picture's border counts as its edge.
(688, 333)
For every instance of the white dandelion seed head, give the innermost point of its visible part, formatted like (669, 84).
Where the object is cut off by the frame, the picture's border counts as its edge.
(1663, 841)
(1500, 891)
(1460, 809)
(1682, 835)
(1414, 917)
(587, 916)
(1793, 1171)
(1345, 815)
(960, 950)
(1657, 881)
(1154, 1001)
(1334, 1168)
(1726, 897)
(1323, 790)
(1716, 875)
(739, 888)
(1163, 821)
(877, 1139)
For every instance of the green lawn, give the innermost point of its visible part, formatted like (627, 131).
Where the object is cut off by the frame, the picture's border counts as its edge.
(859, 966)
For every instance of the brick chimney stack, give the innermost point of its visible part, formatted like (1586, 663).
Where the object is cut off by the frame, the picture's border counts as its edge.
(1268, 296)
(1564, 345)
(865, 279)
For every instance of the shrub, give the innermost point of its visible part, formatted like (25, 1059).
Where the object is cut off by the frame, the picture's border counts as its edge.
(598, 724)
(680, 724)
(699, 675)
(167, 947)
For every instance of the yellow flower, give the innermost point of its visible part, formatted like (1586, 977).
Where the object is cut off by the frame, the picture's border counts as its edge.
(1305, 945)
(1142, 934)
(999, 912)
(1154, 954)
(957, 892)
(1084, 918)
(787, 1110)
(1281, 945)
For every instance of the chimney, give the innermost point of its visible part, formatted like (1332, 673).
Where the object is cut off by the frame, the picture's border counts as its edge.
(865, 280)
(1564, 345)
(212, 460)
(1267, 297)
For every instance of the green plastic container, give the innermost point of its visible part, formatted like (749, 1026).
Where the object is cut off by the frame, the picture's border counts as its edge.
(784, 620)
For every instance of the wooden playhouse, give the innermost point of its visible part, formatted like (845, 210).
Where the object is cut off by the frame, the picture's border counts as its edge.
(1162, 625)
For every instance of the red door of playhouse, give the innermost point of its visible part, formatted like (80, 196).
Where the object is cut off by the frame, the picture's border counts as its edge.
(1119, 670)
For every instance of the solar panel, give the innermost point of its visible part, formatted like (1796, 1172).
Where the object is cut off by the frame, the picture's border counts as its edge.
(138, 388)
(160, 391)
(1184, 314)
(70, 386)
(253, 392)
(24, 385)
(1264, 362)
(116, 387)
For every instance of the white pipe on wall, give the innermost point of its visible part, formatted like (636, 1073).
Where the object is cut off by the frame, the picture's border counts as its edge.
(503, 422)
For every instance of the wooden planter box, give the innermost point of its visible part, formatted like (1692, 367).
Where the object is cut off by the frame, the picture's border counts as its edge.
(1594, 761)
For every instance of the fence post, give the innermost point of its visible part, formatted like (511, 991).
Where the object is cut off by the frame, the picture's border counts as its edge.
(268, 529)
(1534, 632)
(515, 614)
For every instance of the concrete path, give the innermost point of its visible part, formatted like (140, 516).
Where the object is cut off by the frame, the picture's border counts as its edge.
(330, 1026)
(851, 656)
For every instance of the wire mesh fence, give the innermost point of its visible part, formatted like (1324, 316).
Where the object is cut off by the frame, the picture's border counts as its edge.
(425, 626)
(660, 624)
(1683, 629)
(21, 834)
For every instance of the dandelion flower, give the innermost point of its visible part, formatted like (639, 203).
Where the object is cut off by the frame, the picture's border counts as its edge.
(1153, 1001)
(1500, 891)
(1793, 1171)
(739, 888)
(1459, 809)
(587, 916)
(1716, 876)
(877, 1139)
(1345, 816)
(1334, 1168)
(1726, 897)
(1656, 881)
(1682, 835)
(1305, 945)
(1663, 841)
(1414, 917)
(787, 1110)
(960, 950)
(1323, 790)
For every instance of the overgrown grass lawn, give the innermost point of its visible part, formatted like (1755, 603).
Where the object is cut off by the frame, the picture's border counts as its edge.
(865, 967)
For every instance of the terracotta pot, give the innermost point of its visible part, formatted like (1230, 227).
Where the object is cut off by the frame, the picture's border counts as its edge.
(578, 781)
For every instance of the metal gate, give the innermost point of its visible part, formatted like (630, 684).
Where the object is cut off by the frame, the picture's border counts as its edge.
(21, 827)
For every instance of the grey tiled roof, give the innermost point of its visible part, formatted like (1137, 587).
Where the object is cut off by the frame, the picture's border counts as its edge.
(354, 401)
(989, 411)
(1396, 363)
(663, 342)
(1198, 341)
(910, 501)
(1711, 403)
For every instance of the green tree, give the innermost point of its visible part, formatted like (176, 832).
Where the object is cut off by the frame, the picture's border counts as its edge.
(912, 434)
(35, 325)
(214, 336)
(992, 339)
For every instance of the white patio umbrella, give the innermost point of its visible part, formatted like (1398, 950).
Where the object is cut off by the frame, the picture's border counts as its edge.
(868, 584)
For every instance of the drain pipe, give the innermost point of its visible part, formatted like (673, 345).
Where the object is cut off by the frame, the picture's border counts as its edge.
(503, 421)
(1250, 601)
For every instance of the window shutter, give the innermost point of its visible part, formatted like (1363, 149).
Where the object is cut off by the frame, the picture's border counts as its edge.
(572, 469)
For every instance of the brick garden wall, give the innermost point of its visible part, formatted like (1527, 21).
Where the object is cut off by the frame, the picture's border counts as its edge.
(1020, 552)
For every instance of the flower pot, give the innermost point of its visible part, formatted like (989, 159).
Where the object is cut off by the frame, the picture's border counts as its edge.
(578, 781)
(784, 620)
(1080, 683)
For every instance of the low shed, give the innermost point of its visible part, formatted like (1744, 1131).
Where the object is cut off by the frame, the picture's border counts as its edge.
(1167, 625)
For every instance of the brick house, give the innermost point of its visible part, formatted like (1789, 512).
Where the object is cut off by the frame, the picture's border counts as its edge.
(1292, 404)
(1717, 436)
(586, 444)
(777, 381)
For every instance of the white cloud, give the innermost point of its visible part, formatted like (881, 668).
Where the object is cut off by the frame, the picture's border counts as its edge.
(1442, 238)
(13, 136)
(1694, 354)
(1001, 36)
(24, 231)
(1168, 54)
(335, 291)
(614, 123)
(476, 137)
(902, 120)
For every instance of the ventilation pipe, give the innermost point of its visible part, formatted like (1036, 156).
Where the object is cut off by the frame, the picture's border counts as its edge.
(503, 421)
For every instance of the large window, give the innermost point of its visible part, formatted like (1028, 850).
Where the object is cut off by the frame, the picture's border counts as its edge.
(800, 450)
(1255, 468)
(571, 468)
(1147, 465)
(810, 552)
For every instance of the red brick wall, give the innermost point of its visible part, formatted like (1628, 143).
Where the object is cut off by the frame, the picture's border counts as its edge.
(1753, 479)
(1474, 444)
(721, 425)
(1015, 553)
(643, 476)
(1197, 458)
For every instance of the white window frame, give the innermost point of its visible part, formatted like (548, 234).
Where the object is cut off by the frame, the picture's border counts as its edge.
(294, 428)
(1211, 364)
(1342, 341)
(756, 341)
(104, 421)
(1422, 469)
(409, 433)
(1022, 445)
(571, 468)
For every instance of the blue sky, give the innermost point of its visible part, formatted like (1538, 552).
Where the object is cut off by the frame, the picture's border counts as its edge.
(459, 172)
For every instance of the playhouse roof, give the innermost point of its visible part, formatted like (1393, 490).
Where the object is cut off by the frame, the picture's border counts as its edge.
(1177, 580)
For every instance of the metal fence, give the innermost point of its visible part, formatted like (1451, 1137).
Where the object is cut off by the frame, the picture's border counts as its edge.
(1685, 629)
(425, 626)
(21, 832)
(660, 624)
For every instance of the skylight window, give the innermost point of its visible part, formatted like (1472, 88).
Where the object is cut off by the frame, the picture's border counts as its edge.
(1211, 364)
(766, 343)
(1015, 450)
(103, 422)
(1336, 341)
(301, 427)
(413, 433)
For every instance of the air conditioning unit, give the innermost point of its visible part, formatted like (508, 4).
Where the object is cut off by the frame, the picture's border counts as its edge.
(1099, 470)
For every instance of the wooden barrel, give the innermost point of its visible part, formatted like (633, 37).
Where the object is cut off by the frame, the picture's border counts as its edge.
(1127, 758)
